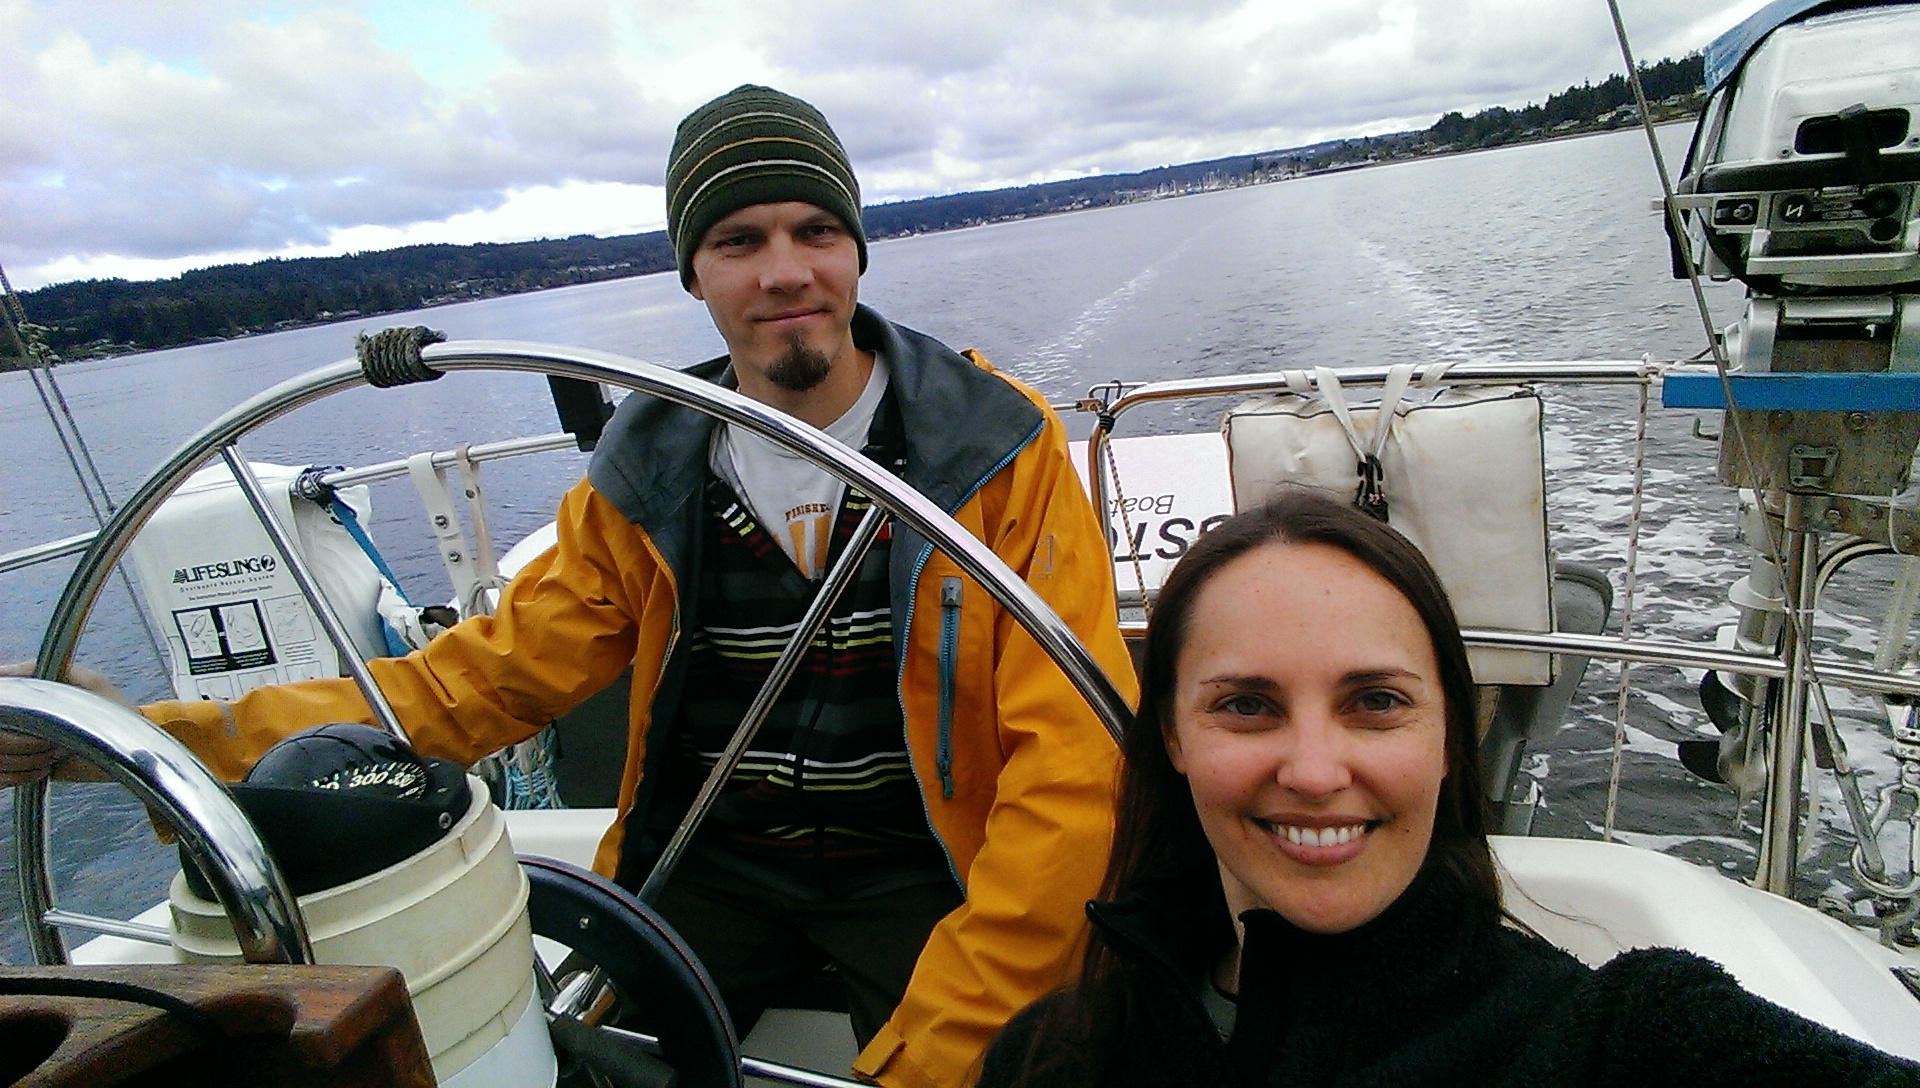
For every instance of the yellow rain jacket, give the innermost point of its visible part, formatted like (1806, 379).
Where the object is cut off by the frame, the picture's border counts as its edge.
(1018, 784)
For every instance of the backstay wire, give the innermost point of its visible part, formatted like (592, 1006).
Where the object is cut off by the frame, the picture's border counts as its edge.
(73, 443)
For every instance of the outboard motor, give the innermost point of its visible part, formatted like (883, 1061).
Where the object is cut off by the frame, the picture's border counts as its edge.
(1801, 179)
(397, 860)
(1803, 182)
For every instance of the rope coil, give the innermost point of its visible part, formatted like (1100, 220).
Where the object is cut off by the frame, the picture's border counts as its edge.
(391, 357)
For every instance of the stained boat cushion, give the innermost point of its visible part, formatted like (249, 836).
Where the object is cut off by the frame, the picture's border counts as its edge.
(1464, 479)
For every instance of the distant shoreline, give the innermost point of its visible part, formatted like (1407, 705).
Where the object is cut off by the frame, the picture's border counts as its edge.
(481, 293)
(95, 319)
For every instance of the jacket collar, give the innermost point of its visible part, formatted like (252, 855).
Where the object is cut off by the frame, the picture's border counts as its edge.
(936, 389)
(1426, 933)
(651, 462)
(1141, 929)
(1430, 929)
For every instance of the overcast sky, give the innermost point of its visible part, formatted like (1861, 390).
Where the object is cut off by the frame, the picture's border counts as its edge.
(140, 138)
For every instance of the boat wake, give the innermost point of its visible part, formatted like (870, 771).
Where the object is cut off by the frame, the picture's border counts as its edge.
(1064, 358)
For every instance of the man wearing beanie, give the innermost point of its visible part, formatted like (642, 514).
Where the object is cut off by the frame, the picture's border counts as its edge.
(928, 806)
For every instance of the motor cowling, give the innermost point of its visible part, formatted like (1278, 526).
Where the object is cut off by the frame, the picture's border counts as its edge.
(1804, 172)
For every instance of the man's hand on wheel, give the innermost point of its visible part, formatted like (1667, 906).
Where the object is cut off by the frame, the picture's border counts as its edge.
(26, 759)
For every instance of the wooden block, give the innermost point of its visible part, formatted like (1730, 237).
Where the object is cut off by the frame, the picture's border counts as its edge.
(264, 1026)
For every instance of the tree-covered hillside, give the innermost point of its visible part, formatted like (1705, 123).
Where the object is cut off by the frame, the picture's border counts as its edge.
(233, 300)
(1573, 107)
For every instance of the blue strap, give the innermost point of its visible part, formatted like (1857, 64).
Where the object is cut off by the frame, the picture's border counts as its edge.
(343, 513)
(345, 516)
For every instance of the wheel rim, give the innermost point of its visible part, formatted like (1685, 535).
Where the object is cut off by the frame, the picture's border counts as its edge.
(645, 960)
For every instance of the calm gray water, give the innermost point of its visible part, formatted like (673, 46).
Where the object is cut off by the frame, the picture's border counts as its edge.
(1540, 252)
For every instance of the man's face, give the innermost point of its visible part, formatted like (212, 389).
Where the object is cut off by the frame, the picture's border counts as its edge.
(780, 281)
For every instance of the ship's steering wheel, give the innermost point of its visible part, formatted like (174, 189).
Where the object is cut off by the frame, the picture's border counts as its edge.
(564, 898)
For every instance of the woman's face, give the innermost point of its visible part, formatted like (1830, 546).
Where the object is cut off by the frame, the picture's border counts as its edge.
(1310, 723)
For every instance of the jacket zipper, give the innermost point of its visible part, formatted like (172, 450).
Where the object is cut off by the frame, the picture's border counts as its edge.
(949, 650)
(913, 592)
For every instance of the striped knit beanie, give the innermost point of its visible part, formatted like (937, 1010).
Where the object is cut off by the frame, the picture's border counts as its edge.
(755, 145)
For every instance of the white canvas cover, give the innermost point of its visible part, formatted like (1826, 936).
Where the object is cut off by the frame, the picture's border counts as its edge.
(1465, 480)
(230, 610)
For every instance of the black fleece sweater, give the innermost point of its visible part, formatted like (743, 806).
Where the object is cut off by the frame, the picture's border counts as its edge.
(1430, 994)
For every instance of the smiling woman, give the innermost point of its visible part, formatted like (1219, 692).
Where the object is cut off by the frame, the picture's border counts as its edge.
(1316, 752)
(1301, 891)
(1315, 707)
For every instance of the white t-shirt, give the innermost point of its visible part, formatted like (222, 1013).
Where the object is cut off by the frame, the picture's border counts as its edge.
(793, 500)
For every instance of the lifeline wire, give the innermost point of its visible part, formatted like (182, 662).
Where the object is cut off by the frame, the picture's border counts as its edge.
(41, 372)
(1626, 609)
(1126, 523)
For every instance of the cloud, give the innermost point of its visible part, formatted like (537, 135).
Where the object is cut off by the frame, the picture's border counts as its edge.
(1003, 92)
(545, 211)
(136, 136)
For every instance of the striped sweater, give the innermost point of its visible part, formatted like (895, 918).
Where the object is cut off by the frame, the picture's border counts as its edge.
(824, 804)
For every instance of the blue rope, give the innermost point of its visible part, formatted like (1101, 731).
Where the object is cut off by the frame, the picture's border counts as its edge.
(344, 514)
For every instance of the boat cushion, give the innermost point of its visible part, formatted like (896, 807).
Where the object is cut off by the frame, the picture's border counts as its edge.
(1464, 478)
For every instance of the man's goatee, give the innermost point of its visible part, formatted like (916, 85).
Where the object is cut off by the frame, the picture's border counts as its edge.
(801, 368)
